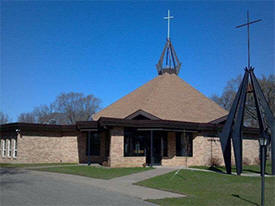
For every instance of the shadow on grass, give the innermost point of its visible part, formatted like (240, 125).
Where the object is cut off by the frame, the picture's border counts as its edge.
(216, 170)
(253, 171)
(238, 196)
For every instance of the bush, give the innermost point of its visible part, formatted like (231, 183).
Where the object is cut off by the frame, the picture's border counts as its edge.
(215, 162)
(257, 161)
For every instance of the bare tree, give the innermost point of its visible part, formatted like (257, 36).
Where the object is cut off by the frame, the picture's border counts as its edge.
(4, 118)
(226, 99)
(27, 117)
(229, 92)
(66, 109)
(76, 106)
(43, 114)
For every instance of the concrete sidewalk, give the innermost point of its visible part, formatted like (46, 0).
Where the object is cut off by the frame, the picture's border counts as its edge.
(123, 185)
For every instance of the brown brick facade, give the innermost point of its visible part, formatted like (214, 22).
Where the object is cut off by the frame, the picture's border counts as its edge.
(44, 149)
(203, 151)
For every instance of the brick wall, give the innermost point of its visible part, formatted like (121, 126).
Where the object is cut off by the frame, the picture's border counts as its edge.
(202, 152)
(44, 149)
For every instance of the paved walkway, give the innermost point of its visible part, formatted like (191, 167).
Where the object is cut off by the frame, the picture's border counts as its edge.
(124, 185)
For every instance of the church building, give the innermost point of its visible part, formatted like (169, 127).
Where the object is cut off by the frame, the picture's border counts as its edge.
(164, 122)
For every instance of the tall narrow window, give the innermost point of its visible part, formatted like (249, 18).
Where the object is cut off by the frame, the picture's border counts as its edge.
(14, 146)
(184, 144)
(164, 146)
(8, 147)
(3, 147)
(94, 144)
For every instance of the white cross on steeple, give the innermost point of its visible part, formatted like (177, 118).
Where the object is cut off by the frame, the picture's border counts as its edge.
(168, 21)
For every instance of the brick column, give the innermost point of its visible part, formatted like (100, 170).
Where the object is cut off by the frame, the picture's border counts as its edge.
(116, 146)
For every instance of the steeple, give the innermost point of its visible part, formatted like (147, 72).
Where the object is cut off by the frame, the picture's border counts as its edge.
(168, 62)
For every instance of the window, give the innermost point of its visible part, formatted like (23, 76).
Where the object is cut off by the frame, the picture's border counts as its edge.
(8, 147)
(164, 146)
(184, 144)
(14, 145)
(3, 147)
(94, 144)
(134, 143)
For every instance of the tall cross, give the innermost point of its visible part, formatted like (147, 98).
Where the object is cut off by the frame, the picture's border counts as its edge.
(168, 21)
(248, 41)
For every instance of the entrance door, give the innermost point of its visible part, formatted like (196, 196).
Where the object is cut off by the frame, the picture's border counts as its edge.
(154, 143)
(156, 150)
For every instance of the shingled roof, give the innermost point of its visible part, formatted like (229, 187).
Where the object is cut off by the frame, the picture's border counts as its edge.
(167, 97)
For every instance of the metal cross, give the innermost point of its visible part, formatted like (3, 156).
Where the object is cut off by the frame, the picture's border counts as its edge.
(168, 18)
(248, 41)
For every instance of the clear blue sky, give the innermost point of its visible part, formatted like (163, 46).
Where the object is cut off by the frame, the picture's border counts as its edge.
(110, 48)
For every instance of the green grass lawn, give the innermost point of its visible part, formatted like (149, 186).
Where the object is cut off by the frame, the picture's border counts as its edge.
(95, 172)
(246, 168)
(212, 189)
(18, 165)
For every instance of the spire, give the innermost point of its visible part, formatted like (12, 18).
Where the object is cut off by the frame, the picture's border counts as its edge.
(168, 62)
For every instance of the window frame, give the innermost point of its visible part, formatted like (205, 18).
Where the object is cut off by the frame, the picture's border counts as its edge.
(14, 148)
(94, 150)
(134, 144)
(187, 149)
(8, 145)
(3, 148)
(164, 146)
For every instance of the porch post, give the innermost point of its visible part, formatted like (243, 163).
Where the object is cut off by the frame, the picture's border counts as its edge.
(151, 153)
(89, 147)
(161, 146)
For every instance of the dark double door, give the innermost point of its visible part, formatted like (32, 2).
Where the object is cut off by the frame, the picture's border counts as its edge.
(154, 144)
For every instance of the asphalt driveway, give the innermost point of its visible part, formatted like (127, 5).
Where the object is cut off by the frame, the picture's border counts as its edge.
(24, 187)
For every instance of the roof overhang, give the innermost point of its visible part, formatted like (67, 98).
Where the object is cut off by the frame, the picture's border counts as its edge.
(104, 123)
(85, 126)
(38, 129)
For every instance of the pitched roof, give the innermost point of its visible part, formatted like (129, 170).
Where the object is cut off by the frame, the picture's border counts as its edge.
(167, 97)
